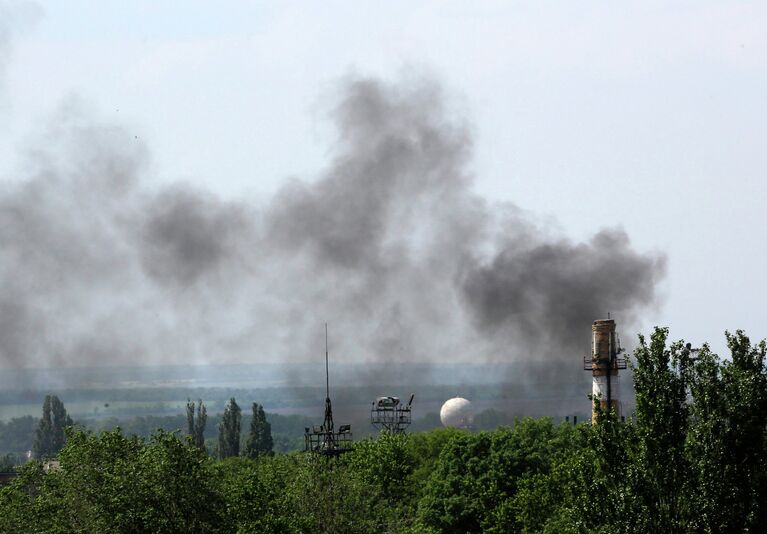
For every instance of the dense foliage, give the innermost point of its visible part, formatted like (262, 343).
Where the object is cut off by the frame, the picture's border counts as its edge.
(195, 422)
(259, 442)
(692, 459)
(49, 437)
(229, 430)
(18, 434)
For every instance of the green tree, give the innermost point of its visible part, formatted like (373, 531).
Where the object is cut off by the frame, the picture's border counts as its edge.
(196, 425)
(727, 441)
(260, 495)
(385, 463)
(327, 497)
(695, 457)
(112, 483)
(50, 437)
(425, 447)
(229, 431)
(383, 467)
(476, 479)
(259, 442)
(662, 416)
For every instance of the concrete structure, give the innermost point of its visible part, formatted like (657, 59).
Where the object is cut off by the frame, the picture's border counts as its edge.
(604, 364)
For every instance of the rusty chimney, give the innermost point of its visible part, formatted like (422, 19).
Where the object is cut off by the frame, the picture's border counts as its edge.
(604, 364)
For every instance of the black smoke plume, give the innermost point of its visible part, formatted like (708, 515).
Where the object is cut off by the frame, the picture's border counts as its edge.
(389, 244)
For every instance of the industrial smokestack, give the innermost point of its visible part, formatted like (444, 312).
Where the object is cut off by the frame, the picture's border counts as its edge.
(604, 366)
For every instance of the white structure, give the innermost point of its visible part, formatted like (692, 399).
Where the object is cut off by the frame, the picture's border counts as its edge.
(457, 412)
(600, 390)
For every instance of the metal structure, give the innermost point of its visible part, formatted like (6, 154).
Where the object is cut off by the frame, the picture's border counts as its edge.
(390, 415)
(604, 363)
(324, 439)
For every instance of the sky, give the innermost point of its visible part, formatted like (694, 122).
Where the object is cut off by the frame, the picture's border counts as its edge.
(644, 116)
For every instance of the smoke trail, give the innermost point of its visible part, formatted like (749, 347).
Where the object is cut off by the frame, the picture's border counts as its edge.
(389, 244)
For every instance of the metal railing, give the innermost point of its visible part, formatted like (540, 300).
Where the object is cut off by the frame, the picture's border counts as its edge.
(590, 364)
(329, 443)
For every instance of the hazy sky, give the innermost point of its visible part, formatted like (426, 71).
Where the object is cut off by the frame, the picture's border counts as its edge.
(643, 115)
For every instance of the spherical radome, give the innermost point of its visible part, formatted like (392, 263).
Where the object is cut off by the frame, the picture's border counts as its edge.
(456, 412)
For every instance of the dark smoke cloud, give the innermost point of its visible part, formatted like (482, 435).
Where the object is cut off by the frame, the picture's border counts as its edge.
(540, 296)
(389, 244)
(188, 235)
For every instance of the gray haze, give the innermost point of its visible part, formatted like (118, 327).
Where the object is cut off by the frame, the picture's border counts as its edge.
(15, 17)
(388, 244)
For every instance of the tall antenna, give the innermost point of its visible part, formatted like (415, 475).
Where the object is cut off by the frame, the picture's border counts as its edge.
(324, 438)
(327, 375)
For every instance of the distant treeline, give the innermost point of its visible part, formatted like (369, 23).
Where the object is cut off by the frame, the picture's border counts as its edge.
(18, 434)
(16, 438)
(294, 396)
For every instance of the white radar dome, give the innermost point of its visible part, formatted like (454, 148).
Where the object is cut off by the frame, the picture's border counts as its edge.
(456, 412)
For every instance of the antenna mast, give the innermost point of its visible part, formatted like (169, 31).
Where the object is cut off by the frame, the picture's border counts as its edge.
(324, 438)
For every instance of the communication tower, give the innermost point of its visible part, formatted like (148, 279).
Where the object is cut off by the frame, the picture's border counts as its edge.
(604, 363)
(324, 439)
(390, 415)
